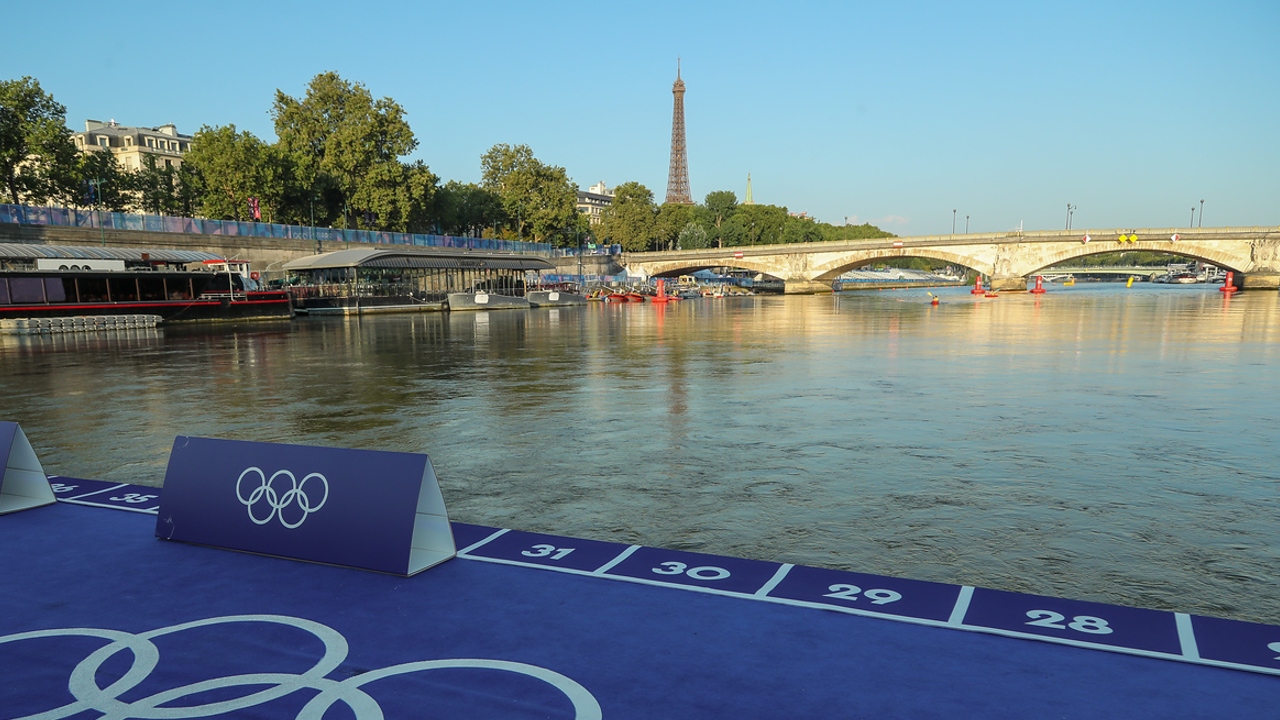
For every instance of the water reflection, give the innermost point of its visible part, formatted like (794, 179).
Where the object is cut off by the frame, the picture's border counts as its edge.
(1103, 443)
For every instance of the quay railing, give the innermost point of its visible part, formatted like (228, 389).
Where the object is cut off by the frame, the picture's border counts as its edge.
(75, 217)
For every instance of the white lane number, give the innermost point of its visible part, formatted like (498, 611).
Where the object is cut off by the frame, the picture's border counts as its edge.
(134, 498)
(877, 596)
(701, 572)
(551, 551)
(1079, 623)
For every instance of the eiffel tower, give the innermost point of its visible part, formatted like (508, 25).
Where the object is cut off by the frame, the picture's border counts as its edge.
(678, 176)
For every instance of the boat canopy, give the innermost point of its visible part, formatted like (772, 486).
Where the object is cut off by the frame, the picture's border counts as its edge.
(400, 258)
(28, 251)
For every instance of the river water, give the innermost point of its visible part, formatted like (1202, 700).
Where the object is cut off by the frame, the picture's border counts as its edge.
(1097, 442)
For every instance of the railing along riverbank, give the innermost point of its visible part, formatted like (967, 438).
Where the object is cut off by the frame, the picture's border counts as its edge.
(73, 217)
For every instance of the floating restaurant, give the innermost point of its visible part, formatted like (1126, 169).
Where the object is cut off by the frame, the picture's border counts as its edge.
(368, 280)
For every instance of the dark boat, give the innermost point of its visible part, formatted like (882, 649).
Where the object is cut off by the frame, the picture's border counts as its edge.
(224, 290)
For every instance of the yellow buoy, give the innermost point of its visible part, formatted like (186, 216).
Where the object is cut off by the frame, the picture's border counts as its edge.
(1130, 283)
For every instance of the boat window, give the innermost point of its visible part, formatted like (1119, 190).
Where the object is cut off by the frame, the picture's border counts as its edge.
(4, 291)
(69, 289)
(151, 288)
(92, 289)
(122, 289)
(27, 289)
(179, 288)
(54, 290)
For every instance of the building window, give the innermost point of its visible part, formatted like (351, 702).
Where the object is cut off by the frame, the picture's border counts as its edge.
(128, 141)
(151, 142)
(104, 141)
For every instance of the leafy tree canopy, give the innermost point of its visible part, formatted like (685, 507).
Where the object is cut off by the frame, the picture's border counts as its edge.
(37, 158)
(539, 198)
(632, 219)
(347, 147)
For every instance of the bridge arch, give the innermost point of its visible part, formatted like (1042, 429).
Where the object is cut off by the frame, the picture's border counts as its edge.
(829, 271)
(1212, 256)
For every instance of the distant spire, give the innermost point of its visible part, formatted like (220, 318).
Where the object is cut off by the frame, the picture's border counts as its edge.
(748, 201)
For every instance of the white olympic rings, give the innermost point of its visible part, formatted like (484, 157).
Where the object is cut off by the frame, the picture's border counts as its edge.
(277, 501)
(89, 696)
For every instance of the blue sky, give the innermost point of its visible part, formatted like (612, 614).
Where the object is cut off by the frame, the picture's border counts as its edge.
(893, 113)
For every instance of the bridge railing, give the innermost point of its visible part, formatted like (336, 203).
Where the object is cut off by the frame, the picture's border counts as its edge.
(73, 217)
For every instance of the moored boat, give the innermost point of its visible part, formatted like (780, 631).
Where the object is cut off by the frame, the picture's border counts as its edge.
(224, 290)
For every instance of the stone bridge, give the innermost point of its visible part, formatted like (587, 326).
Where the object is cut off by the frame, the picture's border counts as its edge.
(1008, 258)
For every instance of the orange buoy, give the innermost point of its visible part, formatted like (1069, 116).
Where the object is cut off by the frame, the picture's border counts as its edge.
(1228, 286)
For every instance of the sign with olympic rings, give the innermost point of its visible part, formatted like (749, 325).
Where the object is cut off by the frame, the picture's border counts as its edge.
(367, 509)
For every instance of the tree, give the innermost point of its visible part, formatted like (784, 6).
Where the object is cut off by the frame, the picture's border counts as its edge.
(97, 180)
(632, 219)
(853, 232)
(755, 225)
(346, 147)
(671, 221)
(720, 206)
(800, 230)
(230, 167)
(467, 209)
(693, 237)
(37, 158)
(539, 197)
(156, 187)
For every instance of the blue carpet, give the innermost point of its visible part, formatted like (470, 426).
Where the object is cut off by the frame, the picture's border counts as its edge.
(201, 632)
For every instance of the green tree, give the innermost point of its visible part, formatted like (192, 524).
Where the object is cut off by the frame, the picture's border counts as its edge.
(693, 237)
(156, 187)
(671, 221)
(467, 209)
(853, 232)
(37, 159)
(540, 198)
(755, 225)
(230, 167)
(94, 179)
(720, 206)
(632, 219)
(346, 147)
(800, 230)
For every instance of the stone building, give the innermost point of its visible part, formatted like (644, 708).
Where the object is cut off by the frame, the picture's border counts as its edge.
(131, 144)
(595, 200)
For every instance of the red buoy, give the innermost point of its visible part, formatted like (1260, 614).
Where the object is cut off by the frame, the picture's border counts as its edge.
(1039, 288)
(977, 287)
(1228, 286)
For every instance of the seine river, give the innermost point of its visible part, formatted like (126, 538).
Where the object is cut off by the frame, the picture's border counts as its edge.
(1098, 442)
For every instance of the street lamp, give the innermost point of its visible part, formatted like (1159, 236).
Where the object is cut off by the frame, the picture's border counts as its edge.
(1070, 210)
(953, 221)
(1201, 214)
(1193, 216)
(966, 224)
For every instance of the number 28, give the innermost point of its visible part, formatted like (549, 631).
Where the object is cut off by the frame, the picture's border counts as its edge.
(1080, 623)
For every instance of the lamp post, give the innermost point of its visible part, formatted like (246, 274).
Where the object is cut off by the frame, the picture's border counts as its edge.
(1201, 224)
(1070, 210)
(953, 221)
(966, 224)
(97, 203)
(1193, 217)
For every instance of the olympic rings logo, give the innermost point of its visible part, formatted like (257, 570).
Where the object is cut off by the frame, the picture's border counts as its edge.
(262, 687)
(275, 502)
